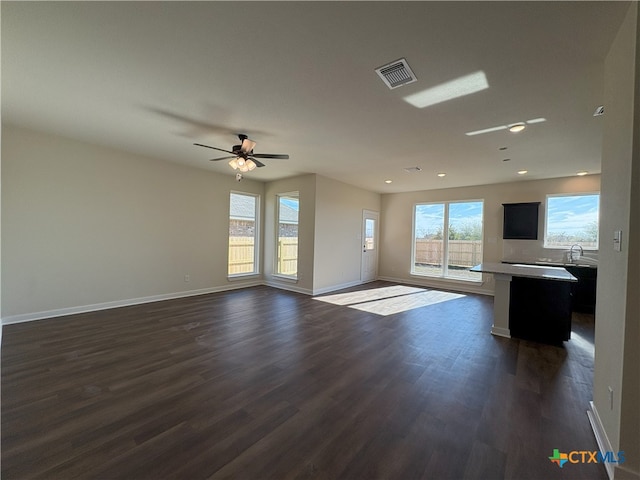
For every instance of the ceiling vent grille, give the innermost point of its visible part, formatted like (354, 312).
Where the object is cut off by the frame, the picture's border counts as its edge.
(413, 169)
(396, 74)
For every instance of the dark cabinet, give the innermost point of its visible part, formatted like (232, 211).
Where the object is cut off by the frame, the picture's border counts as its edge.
(584, 291)
(520, 221)
(540, 310)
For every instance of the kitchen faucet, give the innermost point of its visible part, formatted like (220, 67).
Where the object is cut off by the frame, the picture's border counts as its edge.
(575, 255)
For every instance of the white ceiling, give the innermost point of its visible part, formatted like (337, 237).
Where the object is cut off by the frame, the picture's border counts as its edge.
(298, 78)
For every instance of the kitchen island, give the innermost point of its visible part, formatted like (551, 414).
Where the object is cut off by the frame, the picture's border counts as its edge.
(531, 302)
(583, 292)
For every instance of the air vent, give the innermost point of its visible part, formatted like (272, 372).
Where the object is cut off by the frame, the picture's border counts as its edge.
(396, 74)
(412, 169)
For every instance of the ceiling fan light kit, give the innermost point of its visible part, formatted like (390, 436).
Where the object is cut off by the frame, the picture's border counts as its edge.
(242, 156)
(242, 165)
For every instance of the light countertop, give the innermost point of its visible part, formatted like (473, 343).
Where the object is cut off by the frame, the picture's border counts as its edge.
(582, 263)
(529, 271)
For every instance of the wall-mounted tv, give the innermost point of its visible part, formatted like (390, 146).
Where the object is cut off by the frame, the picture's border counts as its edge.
(520, 221)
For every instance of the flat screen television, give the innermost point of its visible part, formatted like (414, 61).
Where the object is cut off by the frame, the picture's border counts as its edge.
(520, 221)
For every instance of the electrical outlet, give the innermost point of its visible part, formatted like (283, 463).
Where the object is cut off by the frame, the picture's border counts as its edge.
(187, 278)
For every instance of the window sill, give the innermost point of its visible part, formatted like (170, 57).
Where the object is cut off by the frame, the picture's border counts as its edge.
(448, 279)
(243, 276)
(286, 278)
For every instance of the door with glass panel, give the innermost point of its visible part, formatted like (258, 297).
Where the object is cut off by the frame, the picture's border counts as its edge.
(369, 264)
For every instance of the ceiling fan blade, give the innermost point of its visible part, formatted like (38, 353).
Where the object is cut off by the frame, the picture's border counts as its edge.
(214, 148)
(221, 158)
(271, 155)
(257, 162)
(247, 145)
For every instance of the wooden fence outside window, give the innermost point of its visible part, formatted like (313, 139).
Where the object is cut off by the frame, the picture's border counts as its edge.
(287, 255)
(462, 253)
(241, 255)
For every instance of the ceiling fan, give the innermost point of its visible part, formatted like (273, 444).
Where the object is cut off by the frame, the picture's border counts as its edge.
(242, 156)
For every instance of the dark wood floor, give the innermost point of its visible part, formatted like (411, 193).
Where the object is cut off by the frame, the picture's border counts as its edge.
(263, 383)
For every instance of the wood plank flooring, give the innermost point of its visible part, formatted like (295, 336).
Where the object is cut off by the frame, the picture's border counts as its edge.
(262, 383)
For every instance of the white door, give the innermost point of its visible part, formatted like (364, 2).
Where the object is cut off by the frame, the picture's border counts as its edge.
(369, 264)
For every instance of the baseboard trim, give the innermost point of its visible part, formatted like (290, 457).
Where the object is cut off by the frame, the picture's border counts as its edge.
(500, 332)
(601, 436)
(333, 288)
(236, 284)
(287, 286)
(60, 312)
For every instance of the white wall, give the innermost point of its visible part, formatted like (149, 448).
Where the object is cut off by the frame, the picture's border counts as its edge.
(397, 212)
(338, 233)
(617, 310)
(85, 226)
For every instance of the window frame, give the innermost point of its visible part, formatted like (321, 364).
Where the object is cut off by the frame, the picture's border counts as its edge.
(545, 244)
(256, 236)
(445, 246)
(276, 256)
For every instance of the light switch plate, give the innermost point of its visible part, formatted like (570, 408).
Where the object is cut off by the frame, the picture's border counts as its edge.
(617, 240)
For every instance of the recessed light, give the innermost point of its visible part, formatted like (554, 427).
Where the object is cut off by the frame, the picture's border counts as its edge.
(522, 172)
(502, 148)
(442, 174)
(506, 159)
(387, 181)
(599, 111)
(582, 173)
(518, 127)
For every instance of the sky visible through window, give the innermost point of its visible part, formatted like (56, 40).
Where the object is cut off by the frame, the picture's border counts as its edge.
(430, 217)
(572, 215)
(290, 202)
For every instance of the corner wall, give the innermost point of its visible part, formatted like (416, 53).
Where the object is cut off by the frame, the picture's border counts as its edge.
(87, 227)
(338, 233)
(617, 311)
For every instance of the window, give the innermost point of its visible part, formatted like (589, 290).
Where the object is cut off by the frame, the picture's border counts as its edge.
(572, 219)
(447, 239)
(287, 241)
(369, 235)
(243, 234)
